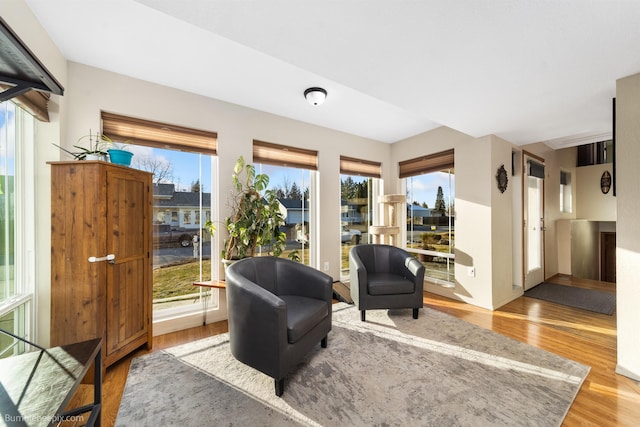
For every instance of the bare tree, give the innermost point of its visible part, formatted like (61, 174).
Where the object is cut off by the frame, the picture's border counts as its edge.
(283, 191)
(161, 169)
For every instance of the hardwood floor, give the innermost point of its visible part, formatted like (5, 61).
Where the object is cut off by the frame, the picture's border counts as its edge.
(589, 338)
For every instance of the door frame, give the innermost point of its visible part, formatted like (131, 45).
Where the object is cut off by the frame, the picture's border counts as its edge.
(524, 183)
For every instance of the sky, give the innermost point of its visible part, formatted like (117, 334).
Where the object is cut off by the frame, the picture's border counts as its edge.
(424, 188)
(190, 167)
(187, 167)
(7, 133)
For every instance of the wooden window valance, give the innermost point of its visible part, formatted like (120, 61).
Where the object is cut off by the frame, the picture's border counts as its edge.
(157, 134)
(426, 164)
(282, 155)
(358, 167)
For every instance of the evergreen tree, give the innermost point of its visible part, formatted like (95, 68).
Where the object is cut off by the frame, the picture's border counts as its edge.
(294, 192)
(364, 193)
(440, 206)
(348, 188)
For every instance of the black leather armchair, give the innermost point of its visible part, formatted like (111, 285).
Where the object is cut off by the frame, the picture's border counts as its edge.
(278, 310)
(384, 276)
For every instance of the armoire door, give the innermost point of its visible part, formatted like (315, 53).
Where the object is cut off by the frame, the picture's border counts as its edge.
(128, 276)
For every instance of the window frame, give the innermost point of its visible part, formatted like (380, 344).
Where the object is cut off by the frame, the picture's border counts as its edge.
(436, 162)
(24, 212)
(376, 190)
(278, 155)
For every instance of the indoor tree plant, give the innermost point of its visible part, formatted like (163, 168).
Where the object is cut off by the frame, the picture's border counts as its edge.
(255, 217)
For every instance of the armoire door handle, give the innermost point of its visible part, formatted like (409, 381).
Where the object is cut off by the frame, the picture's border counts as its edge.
(111, 258)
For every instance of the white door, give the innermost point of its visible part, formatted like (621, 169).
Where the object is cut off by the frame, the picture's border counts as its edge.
(533, 223)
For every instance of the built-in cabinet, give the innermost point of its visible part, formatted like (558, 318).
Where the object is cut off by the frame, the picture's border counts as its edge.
(101, 263)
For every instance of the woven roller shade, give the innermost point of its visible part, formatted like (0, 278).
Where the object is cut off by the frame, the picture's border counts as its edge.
(536, 169)
(156, 134)
(282, 155)
(427, 164)
(351, 166)
(34, 102)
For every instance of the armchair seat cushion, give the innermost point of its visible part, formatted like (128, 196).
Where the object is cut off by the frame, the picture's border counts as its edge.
(303, 314)
(389, 284)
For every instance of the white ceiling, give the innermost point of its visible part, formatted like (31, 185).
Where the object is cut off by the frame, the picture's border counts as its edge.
(527, 71)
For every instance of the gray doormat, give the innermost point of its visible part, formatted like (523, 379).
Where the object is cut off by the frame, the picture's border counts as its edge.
(586, 299)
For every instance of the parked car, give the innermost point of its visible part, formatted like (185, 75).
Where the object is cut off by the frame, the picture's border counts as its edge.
(350, 235)
(166, 235)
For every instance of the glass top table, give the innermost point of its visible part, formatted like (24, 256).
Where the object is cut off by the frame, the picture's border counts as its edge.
(36, 387)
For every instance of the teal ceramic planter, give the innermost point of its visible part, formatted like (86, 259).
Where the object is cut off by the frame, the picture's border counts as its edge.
(120, 157)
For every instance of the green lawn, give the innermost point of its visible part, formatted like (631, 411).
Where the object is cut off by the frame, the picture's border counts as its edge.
(178, 280)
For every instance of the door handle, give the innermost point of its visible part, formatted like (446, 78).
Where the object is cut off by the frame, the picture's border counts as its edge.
(110, 257)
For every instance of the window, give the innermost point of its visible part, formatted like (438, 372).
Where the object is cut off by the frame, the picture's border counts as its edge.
(430, 187)
(180, 197)
(182, 161)
(17, 216)
(565, 192)
(292, 175)
(360, 185)
(595, 153)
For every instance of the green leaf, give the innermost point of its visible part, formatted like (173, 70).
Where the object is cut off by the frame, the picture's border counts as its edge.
(239, 166)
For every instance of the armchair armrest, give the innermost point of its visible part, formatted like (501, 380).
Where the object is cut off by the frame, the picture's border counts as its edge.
(414, 269)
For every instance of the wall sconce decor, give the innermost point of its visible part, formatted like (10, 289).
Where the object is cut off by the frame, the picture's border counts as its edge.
(501, 178)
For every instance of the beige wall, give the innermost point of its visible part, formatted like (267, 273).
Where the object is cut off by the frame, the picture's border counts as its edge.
(591, 202)
(628, 226)
(92, 90)
(503, 254)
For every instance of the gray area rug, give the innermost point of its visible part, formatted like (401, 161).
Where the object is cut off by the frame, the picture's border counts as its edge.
(586, 299)
(391, 370)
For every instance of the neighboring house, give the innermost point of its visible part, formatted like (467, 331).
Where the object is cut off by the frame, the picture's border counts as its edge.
(294, 211)
(181, 209)
(353, 211)
(418, 213)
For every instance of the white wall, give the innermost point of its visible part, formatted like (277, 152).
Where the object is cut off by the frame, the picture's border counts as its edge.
(22, 21)
(628, 226)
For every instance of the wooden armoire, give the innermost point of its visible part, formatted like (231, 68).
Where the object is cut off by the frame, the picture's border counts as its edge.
(101, 261)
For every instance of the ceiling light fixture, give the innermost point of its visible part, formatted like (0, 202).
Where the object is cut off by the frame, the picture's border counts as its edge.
(315, 95)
